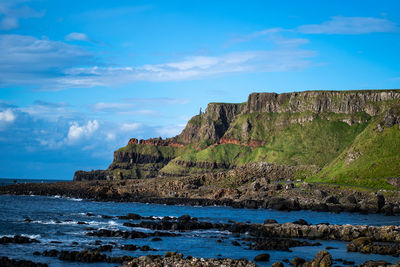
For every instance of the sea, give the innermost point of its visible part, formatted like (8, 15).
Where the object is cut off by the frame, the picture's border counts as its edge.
(54, 222)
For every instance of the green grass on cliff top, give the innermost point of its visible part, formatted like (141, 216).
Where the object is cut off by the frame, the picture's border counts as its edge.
(377, 157)
(313, 143)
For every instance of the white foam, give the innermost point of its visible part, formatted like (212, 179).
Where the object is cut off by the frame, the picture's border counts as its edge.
(112, 223)
(32, 236)
(25, 235)
(74, 199)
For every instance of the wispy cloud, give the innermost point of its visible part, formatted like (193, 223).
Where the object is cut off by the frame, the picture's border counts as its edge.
(127, 127)
(31, 61)
(254, 35)
(336, 25)
(350, 25)
(111, 107)
(11, 13)
(49, 110)
(190, 68)
(77, 36)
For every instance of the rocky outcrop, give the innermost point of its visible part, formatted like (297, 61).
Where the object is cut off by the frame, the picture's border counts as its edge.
(92, 175)
(365, 245)
(6, 262)
(322, 259)
(203, 165)
(347, 102)
(17, 239)
(320, 231)
(212, 124)
(160, 142)
(132, 157)
(174, 259)
(392, 117)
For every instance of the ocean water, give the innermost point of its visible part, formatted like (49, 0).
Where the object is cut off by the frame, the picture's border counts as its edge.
(8, 181)
(46, 211)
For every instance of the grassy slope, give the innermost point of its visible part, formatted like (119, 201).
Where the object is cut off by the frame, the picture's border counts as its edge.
(379, 158)
(313, 143)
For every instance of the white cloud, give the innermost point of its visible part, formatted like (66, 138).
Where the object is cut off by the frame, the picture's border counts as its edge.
(195, 67)
(77, 36)
(126, 127)
(28, 60)
(349, 25)
(77, 132)
(7, 115)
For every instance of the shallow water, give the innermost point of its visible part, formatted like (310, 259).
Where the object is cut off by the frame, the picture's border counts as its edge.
(46, 211)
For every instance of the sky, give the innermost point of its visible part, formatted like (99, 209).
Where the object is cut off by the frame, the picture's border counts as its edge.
(79, 78)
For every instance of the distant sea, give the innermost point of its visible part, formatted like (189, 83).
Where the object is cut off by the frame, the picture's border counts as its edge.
(8, 181)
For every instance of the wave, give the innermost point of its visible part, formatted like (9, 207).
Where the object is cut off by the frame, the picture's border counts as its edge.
(24, 235)
(112, 224)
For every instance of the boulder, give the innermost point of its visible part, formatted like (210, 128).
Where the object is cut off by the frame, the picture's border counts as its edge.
(262, 257)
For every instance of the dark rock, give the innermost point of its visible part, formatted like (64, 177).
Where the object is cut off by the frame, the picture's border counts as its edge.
(297, 262)
(130, 216)
(270, 221)
(262, 257)
(282, 244)
(17, 239)
(331, 200)
(235, 243)
(184, 218)
(301, 222)
(323, 259)
(50, 253)
(6, 262)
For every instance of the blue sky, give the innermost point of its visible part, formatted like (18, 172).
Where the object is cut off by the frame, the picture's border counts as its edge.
(79, 78)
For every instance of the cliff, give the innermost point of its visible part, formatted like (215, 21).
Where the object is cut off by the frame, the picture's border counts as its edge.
(210, 126)
(312, 128)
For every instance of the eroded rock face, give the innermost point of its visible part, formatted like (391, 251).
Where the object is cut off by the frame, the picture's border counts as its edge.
(392, 116)
(319, 101)
(212, 124)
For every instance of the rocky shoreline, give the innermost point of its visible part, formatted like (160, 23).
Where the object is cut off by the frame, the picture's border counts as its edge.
(171, 191)
(268, 236)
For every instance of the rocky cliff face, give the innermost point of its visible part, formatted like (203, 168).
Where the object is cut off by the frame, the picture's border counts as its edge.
(258, 122)
(347, 102)
(212, 124)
